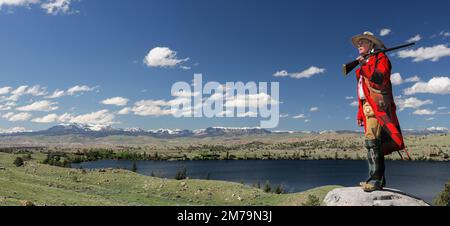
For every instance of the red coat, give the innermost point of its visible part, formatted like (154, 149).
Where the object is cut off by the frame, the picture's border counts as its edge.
(378, 92)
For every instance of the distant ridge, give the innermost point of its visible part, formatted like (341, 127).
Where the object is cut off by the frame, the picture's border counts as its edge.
(104, 131)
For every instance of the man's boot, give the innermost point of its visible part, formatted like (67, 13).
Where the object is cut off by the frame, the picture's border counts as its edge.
(376, 179)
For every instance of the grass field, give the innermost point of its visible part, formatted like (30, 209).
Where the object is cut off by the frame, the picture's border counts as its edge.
(44, 185)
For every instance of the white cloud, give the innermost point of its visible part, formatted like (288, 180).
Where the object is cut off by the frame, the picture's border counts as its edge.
(36, 91)
(411, 102)
(151, 108)
(5, 90)
(300, 116)
(385, 31)
(124, 111)
(433, 53)
(162, 57)
(52, 7)
(117, 101)
(284, 115)
(444, 33)
(56, 94)
(17, 2)
(308, 73)
(415, 38)
(7, 106)
(396, 79)
(354, 104)
(413, 79)
(424, 112)
(314, 109)
(43, 105)
(47, 119)
(26, 90)
(350, 98)
(79, 89)
(23, 116)
(13, 130)
(437, 85)
(55, 7)
(103, 117)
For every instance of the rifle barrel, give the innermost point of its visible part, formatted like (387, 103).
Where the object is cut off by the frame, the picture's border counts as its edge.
(347, 68)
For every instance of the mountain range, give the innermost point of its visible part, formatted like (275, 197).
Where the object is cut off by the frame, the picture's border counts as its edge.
(96, 131)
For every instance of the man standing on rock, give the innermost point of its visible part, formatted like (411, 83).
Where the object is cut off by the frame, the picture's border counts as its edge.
(377, 110)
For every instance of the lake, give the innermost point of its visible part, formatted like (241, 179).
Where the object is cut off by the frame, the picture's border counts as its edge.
(422, 179)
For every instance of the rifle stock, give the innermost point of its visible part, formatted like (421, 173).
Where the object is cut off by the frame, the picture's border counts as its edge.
(347, 68)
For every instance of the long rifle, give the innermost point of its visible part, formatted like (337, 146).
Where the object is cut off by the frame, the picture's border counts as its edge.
(347, 68)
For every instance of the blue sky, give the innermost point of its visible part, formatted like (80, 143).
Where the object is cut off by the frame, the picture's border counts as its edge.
(94, 50)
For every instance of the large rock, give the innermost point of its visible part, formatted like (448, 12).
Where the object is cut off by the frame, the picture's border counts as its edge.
(355, 196)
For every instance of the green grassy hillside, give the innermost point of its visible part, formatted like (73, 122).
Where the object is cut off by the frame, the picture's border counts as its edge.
(38, 184)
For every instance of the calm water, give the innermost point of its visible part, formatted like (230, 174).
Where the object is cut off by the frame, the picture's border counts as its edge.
(423, 179)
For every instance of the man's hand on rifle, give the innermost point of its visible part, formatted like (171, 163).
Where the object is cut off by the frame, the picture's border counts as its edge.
(362, 60)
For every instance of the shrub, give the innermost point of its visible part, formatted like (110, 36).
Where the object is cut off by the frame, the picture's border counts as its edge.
(443, 199)
(279, 189)
(18, 162)
(312, 201)
(181, 174)
(267, 187)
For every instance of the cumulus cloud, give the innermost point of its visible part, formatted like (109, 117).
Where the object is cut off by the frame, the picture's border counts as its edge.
(47, 119)
(5, 90)
(36, 90)
(12, 117)
(100, 118)
(308, 73)
(424, 112)
(300, 116)
(415, 38)
(7, 106)
(152, 108)
(71, 91)
(385, 31)
(79, 89)
(43, 105)
(56, 94)
(314, 109)
(103, 117)
(55, 7)
(410, 102)
(124, 111)
(117, 101)
(397, 79)
(13, 130)
(434, 53)
(162, 57)
(437, 85)
(17, 2)
(444, 33)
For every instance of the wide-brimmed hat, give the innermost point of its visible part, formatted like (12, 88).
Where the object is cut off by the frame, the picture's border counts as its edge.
(369, 36)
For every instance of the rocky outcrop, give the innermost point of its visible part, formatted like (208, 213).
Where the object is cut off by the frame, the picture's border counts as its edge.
(355, 196)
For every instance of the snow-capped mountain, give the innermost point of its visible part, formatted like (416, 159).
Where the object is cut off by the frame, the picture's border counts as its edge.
(104, 131)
